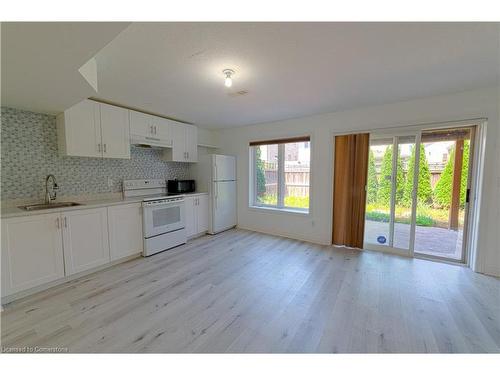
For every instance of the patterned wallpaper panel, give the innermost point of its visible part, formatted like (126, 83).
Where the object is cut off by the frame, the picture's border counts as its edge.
(29, 153)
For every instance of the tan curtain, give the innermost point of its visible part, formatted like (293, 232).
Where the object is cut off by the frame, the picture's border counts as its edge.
(349, 194)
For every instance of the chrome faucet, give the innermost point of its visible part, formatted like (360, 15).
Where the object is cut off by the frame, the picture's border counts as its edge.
(50, 196)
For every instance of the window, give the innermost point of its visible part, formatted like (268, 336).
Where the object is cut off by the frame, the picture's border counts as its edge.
(281, 173)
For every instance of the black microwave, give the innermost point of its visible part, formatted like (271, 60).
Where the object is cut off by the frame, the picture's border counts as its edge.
(180, 186)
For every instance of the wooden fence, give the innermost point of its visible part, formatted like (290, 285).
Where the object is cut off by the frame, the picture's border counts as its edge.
(296, 179)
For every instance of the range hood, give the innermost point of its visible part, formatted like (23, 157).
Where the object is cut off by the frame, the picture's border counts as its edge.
(149, 142)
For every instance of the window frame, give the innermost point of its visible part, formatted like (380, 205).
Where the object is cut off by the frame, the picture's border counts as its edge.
(280, 206)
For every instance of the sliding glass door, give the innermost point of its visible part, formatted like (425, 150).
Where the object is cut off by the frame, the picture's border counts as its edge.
(418, 192)
(389, 203)
(444, 186)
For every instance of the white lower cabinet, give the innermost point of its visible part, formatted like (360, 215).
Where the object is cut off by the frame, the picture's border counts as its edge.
(32, 252)
(85, 239)
(42, 248)
(125, 230)
(196, 214)
(202, 211)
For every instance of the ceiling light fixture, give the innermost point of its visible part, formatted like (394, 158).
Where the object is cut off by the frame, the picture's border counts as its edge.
(228, 81)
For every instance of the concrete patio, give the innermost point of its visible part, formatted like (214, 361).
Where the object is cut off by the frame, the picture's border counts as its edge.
(429, 240)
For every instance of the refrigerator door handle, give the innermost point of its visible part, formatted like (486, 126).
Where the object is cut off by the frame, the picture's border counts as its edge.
(215, 171)
(216, 196)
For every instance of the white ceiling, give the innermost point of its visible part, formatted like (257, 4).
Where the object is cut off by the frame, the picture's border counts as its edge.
(40, 62)
(289, 69)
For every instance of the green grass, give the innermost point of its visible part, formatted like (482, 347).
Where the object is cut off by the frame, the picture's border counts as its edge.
(426, 216)
(291, 201)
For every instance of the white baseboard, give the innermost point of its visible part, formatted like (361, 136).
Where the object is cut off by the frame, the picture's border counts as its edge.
(286, 235)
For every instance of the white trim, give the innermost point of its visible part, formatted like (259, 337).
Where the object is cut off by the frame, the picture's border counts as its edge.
(414, 195)
(264, 208)
(280, 189)
(394, 179)
(291, 236)
(471, 237)
(404, 129)
(280, 207)
(474, 260)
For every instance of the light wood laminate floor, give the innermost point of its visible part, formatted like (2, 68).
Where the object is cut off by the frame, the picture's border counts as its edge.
(242, 291)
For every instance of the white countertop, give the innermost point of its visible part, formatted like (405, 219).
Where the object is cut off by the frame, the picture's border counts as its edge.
(8, 212)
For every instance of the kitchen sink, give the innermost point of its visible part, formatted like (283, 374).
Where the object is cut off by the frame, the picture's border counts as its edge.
(45, 206)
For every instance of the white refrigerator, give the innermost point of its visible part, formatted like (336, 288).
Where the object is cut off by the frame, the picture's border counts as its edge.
(220, 175)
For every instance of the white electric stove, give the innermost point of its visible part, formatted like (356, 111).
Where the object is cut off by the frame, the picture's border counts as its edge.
(162, 214)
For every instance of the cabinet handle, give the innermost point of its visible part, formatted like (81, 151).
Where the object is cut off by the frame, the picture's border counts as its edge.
(57, 223)
(151, 129)
(65, 222)
(99, 147)
(187, 154)
(105, 147)
(155, 130)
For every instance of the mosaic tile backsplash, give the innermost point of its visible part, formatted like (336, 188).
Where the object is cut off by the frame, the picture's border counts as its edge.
(29, 153)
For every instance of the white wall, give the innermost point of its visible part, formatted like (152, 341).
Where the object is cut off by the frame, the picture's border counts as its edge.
(316, 227)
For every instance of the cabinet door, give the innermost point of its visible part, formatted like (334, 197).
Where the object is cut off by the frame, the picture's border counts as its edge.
(190, 216)
(192, 143)
(202, 213)
(115, 130)
(32, 252)
(125, 230)
(179, 152)
(81, 130)
(140, 124)
(85, 238)
(162, 129)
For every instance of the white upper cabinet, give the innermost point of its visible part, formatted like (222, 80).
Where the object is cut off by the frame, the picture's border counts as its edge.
(115, 132)
(192, 143)
(148, 129)
(140, 124)
(162, 128)
(184, 144)
(94, 129)
(32, 252)
(79, 130)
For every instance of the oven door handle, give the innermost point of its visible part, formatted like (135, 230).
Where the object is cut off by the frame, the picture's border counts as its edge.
(166, 204)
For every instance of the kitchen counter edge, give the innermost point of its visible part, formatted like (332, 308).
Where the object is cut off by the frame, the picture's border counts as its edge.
(10, 212)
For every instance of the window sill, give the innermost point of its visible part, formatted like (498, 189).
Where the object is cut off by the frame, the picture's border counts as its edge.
(280, 210)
